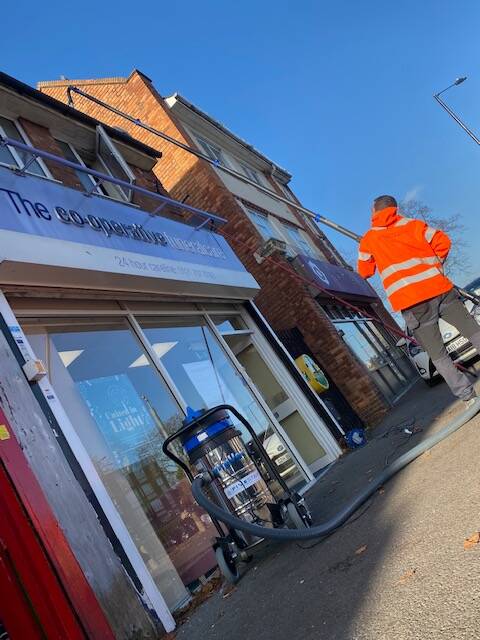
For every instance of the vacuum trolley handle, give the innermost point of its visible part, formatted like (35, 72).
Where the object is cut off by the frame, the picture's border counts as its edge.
(225, 407)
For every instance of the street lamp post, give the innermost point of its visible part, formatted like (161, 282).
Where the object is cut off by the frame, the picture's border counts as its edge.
(452, 113)
(458, 81)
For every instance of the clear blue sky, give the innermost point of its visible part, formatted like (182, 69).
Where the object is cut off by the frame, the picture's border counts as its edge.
(339, 93)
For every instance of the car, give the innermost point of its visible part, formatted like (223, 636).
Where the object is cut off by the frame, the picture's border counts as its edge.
(458, 347)
(473, 287)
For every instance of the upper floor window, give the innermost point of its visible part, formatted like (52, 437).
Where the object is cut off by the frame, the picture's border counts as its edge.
(211, 150)
(251, 174)
(286, 191)
(299, 241)
(263, 224)
(106, 159)
(70, 153)
(13, 157)
(113, 161)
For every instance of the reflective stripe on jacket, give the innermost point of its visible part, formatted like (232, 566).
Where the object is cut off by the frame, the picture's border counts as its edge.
(408, 255)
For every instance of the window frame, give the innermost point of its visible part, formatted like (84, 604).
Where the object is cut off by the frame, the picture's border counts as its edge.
(20, 164)
(101, 134)
(253, 214)
(80, 161)
(293, 243)
(210, 149)
(251, 174)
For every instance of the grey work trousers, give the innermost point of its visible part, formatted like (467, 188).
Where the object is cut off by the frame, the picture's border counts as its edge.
(422, 320)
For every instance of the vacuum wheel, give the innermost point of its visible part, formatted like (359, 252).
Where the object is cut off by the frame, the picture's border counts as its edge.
(227, 565)
(298, 516)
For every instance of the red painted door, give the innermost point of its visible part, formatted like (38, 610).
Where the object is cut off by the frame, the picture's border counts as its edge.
(33, 603)
(43, 592)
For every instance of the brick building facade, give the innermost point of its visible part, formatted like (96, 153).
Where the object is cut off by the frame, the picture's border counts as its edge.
(304, 317)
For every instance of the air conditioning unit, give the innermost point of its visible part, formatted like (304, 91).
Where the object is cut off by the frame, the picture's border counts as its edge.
(269, 248)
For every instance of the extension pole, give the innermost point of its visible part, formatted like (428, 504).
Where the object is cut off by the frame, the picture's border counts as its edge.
(315, 216)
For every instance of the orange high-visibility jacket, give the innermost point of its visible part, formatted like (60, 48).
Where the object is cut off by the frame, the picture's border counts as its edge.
(408, 255)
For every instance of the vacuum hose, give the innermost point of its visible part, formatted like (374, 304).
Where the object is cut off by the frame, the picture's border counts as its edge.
(344, 514)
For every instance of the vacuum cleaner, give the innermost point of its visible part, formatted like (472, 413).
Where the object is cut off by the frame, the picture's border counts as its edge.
(240, 488)
(242, 481)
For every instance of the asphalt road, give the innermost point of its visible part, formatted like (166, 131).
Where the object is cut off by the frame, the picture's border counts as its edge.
(399, 571)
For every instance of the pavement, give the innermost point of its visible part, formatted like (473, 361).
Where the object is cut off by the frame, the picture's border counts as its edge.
(397, 570)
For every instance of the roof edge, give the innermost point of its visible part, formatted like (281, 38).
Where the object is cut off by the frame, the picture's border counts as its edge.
(88, 81)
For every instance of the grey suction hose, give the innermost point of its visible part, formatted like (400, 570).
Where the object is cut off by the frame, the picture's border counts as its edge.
(344, 514)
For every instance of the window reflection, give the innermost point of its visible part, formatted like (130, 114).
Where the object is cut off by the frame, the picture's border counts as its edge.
(206, 377)
(122, 411)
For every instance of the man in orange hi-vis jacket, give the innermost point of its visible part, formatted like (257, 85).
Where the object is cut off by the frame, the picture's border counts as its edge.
(409, 256)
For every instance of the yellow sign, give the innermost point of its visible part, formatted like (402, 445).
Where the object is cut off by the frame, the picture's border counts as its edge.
(4, 433)
(312, 373)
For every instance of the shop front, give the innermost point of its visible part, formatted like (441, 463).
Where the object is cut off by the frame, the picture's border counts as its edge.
(136, 318)
(352, 310)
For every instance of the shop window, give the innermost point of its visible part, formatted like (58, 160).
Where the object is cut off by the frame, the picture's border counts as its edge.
(12, 157)
(123, 411)
(205, 377)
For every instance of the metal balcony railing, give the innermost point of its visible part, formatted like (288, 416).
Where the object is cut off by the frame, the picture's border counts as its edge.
(99, 177)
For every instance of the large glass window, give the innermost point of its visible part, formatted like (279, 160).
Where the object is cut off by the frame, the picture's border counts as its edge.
(124, 399)
(122, 411)
(206, 377)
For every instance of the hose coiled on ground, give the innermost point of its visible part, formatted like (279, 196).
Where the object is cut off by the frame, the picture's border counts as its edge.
(344, 514)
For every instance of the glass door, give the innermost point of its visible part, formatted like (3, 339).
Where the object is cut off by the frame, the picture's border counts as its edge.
(205, 376)
(122, 411)
(240, 341)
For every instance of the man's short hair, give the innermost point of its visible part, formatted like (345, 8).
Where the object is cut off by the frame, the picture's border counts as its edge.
(382, 202)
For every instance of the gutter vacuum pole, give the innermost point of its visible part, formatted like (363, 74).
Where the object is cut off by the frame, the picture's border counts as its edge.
(316, 217)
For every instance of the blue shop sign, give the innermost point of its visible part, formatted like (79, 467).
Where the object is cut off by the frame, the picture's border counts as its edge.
(99, 234)
(334, 278)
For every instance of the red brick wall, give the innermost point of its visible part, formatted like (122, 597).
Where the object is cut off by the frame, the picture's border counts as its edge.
(41, 138)
(284, 301)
